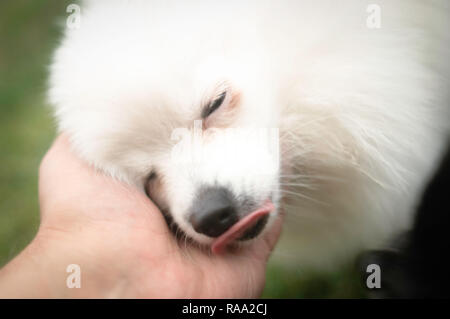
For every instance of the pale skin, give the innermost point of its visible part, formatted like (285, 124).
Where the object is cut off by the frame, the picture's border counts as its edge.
(122, 244)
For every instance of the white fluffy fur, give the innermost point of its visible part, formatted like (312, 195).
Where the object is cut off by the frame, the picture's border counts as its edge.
(362, 112)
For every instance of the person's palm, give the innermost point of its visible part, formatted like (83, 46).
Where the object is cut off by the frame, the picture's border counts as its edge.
(118, 236)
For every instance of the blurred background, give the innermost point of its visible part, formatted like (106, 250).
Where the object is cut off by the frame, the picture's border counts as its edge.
(29, 31)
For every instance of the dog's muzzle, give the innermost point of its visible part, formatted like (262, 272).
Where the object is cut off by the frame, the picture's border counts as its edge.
(217, 213)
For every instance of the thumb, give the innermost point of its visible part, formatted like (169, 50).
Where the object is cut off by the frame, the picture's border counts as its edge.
(264, 246)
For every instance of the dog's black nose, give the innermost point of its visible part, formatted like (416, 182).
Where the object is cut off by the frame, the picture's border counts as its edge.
(213, 211)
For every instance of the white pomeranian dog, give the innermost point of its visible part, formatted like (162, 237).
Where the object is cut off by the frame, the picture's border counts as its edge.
(225, 112)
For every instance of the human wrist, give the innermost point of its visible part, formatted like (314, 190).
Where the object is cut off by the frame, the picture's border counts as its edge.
(23, 277)
(41, 270)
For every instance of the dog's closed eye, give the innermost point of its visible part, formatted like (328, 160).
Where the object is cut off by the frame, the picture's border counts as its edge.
(214, 105)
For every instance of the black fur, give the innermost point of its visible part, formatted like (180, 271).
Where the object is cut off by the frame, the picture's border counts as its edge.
(419, 267)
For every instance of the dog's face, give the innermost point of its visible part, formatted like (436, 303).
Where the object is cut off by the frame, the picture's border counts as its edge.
(219, 163)
(201, 140)
(217, 169)
(187, 111)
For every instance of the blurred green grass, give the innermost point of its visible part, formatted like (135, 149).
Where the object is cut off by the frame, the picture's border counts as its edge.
(27, 35)
(29, 31)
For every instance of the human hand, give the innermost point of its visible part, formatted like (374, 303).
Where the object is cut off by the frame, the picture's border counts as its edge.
(122, 244)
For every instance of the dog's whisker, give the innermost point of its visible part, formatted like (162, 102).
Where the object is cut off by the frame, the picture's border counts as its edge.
(303, 196)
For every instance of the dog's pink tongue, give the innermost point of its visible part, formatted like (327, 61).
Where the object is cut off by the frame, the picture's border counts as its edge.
(238, 229)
